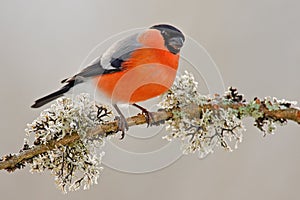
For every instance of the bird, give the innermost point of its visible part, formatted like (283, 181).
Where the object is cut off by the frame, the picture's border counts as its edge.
(134, 69)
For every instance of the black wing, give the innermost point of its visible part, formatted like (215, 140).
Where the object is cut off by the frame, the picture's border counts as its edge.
(110, 62)
(94, 69)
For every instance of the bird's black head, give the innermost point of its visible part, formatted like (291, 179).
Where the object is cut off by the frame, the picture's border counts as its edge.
(173, 37)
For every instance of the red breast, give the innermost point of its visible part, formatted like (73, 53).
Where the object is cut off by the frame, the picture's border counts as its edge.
(149, 72)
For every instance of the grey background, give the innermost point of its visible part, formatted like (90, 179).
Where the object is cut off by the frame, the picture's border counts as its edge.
(255, 44)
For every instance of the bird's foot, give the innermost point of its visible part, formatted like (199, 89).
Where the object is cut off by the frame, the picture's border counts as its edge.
(148, 115)
(122, 122)
(122, 125)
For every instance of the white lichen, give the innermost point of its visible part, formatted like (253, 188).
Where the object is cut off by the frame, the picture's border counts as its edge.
(201, 122)
(268, 125)
(77, 164)
(201, 130)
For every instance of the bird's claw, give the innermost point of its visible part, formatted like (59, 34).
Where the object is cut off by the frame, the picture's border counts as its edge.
(122, 125)
(149, 117)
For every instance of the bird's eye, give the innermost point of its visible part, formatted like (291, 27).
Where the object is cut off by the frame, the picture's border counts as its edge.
(165, 33)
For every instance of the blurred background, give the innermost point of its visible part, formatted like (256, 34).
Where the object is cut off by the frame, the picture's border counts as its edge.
(255, 44)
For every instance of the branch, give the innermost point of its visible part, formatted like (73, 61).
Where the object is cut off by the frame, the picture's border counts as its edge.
(69, 134)
(13, 161)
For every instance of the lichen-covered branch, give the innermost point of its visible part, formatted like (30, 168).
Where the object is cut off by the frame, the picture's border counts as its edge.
(68, 134)
(13, 161)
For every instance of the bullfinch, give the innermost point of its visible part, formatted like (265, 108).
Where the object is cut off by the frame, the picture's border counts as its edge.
(137, 68)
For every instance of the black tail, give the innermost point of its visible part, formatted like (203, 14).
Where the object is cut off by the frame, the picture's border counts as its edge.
(44, 100)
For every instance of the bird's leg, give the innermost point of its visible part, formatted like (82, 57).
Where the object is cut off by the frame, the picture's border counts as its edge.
(148, 115)
(122, 123)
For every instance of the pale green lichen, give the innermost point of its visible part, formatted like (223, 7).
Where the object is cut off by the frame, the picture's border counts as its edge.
(252, 109)
(201, 130)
